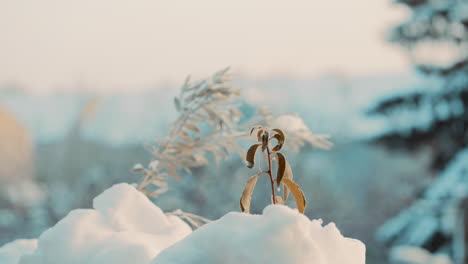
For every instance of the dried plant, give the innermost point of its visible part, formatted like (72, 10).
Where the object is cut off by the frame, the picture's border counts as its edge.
(298, 133)
(206, 124)
(209, 123)
(283, 174)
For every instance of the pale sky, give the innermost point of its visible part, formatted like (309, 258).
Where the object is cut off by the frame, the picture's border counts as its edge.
(121, 44)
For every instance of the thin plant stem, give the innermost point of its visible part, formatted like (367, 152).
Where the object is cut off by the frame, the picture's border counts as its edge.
(271, 176)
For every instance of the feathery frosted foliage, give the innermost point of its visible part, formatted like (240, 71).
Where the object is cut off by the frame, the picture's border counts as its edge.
(209, 122)
(206, 124)
(280, 235)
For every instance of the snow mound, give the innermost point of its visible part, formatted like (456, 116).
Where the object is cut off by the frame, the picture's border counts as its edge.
(280, 235)
(11, 252)
(290, 123)
(124, 227)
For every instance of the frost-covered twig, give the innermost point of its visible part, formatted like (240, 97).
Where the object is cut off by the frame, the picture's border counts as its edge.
(206, 124)
(194, 220)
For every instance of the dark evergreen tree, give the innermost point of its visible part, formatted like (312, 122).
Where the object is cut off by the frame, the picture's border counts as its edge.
(436, 38)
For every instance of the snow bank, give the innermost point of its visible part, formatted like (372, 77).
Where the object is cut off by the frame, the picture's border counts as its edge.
(280, 235)
(124, 227)
(11, 252)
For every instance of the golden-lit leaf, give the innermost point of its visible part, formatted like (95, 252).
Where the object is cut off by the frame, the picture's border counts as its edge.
(297, 193)
(285, 192)
(247, 193)
(250, 157)
(288, 174)
(281, 167)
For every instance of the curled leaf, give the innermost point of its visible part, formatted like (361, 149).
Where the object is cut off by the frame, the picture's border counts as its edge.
(281, 167)
(280, 137)
(297, 193)
(280, 142)
(260, 134)
(250, 157)
(247, 193)
(255, 128)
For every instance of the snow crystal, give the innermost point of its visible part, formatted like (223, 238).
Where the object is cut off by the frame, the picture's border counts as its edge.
(280, 235)
(124, 227)
(11, 252)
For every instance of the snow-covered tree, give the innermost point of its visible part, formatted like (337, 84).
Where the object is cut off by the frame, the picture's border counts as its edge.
(436, 38)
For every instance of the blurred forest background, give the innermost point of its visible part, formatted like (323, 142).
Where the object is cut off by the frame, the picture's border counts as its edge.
(396, 178)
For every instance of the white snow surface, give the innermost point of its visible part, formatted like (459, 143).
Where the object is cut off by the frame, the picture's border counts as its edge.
(11, 252)
(279, 235)
(124, 227)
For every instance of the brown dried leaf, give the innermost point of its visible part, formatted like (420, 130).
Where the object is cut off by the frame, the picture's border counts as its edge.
(281, 167)
(250, 157)
(297, 193)
(255, 128)
(247, 193)
(252, 130)
(260, 134)
(280, 137)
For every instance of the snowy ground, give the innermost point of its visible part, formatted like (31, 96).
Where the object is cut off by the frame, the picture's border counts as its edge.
(125, 227)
